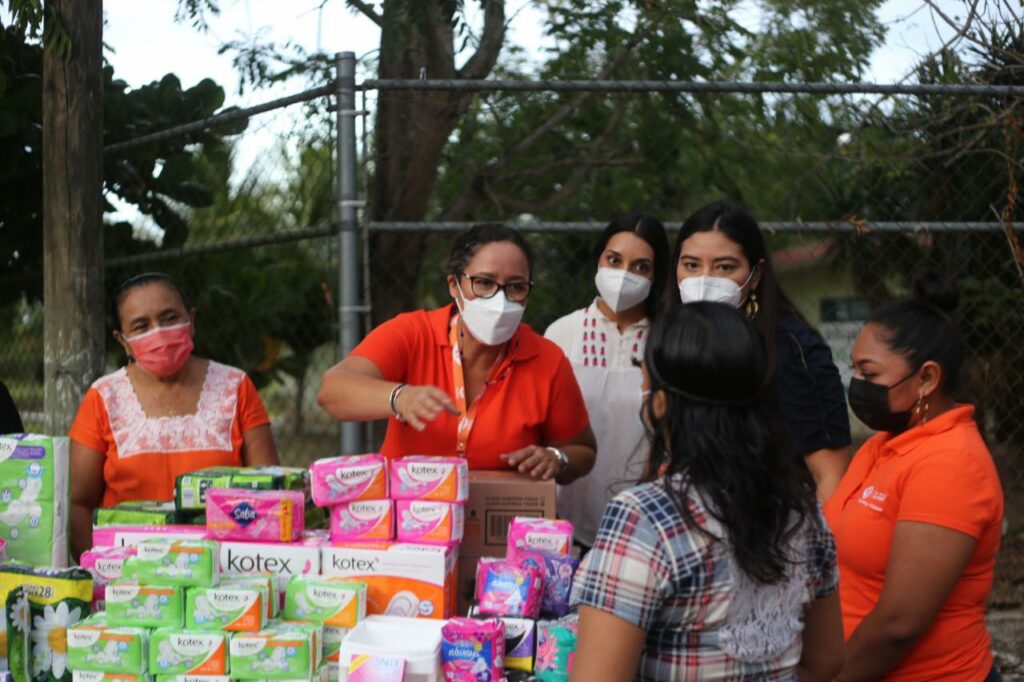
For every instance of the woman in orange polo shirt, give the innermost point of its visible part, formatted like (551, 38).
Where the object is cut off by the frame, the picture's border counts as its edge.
(166, 413)
(469, 379)
(918, 515)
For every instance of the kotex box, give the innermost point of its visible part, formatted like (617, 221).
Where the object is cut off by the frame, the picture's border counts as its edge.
(349, 478)
(281, 559)
(363, 520)
(92, 676)
(94, 645)
(137, 513)
(546, 535)
(265, 582)
(315, 630)
(421, 477)
(132, 536)
(333, 639)
(106, 564)
(337, 602)
(192, 678)
(151, 606)
(178, 651)
(164, 561)
(233, 609)
(190, 489)
(255, 515)
(34, 499)
(428, 522)
(274, 655)
(401, 579)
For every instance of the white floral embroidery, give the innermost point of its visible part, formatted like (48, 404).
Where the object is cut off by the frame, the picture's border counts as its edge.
(209, 429)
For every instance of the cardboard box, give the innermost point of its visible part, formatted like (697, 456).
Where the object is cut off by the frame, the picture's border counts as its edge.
(495, 498)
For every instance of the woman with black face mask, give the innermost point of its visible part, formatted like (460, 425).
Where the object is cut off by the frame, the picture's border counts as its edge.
(918, 515)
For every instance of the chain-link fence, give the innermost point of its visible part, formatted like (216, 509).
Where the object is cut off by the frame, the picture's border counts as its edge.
(857, 187)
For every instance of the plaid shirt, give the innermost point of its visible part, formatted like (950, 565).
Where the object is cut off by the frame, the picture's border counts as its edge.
(650, 569)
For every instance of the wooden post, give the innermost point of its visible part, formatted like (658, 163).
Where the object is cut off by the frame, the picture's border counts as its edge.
(73, 212)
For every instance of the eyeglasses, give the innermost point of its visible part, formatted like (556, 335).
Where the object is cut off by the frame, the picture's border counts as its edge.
(485, 287)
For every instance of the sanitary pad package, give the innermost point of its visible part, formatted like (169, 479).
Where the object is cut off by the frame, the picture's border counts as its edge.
(274, 655)
(336, 602)
(443, 479)
(507, 588)
(473, 650)
(520, 641)
(430, 523)
(34, 499)
(556, 649)
(92, 676)
(281, 559)
(233, 609)
(558, 571)
(363, 520)
(175, 651)
(349, 478)
(94, 645)
(106, 565)
(137, 513)
(131, 603)
(190, 489)
(131, 536)
(369, 668)
(255, 515)
(546, 535)
(163, 561)
(264, 583)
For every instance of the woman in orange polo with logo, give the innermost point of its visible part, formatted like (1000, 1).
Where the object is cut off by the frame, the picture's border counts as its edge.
(918, 515)
(166, 413)
(469, 379)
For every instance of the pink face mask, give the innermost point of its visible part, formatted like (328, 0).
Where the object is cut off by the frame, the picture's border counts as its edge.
(164, 350)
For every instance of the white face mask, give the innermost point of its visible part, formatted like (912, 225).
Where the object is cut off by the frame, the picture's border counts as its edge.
(621, 290)
(712, 290)
(492, 321)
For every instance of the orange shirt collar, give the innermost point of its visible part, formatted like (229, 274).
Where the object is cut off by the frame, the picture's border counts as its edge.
(909, 440)
(525, 343)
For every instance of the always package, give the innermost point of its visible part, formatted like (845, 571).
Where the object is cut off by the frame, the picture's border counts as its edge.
(149, 606)
(274, 655)
(95, 646)
(34, 499)
(41, 605)
(336, 602)
(176, 651)
(415, 581)
(187, 563)
(190, 489)
(233, 608)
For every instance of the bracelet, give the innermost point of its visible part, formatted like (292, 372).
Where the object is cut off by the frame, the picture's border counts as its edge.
(395, 392)
(563, 459)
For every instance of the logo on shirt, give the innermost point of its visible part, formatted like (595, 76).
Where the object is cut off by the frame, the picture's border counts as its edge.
(243, 514)
(872, 499)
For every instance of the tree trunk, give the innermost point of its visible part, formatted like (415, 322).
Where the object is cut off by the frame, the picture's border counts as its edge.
(73, 211)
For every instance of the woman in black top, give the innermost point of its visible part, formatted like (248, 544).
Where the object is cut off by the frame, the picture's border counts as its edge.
(10, 420)
(721, 256)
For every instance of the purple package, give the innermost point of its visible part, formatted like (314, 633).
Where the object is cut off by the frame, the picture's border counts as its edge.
(558, 571)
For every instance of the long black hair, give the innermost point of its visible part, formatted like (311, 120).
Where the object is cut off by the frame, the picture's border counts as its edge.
(651, 231)
(144, 280)
(721, 433)
(920, 328)
(736, 223)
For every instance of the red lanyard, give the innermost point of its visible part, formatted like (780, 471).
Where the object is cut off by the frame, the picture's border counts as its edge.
(467, 414)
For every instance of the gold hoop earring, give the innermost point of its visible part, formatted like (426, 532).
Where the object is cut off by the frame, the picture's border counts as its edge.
(752, 306)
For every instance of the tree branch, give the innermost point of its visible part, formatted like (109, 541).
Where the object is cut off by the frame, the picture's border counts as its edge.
(366, 11)
(493, 37)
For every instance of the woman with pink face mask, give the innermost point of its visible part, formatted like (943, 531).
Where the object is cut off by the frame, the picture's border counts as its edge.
(721, 257)
(166, 413)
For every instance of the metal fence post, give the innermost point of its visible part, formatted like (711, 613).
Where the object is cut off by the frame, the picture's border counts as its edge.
(348, 224)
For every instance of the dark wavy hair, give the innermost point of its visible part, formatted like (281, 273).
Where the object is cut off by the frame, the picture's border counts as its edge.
(141, 281)
(736, 223)
(651, 231)
(721, 432)
(469, 242)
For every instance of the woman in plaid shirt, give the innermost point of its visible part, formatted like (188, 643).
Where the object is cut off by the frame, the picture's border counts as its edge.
(719, 566)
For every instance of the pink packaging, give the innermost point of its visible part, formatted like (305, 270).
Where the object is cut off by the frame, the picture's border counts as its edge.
(255, 515)
(506, 588)
(363, 520)
(129, 536)
(473, 650)
(3, 551)
(429, 523)
(443, 479)
(376, 668)
(106, 564)
(545, 535)
(349, 478)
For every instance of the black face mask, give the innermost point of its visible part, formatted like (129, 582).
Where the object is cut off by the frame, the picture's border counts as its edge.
(870, 402)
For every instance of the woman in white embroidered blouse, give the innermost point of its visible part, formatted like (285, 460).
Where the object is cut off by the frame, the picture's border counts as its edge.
(605, 344)
(166, 413)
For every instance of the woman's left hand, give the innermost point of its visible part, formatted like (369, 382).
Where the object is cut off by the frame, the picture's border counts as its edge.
(535, 460)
